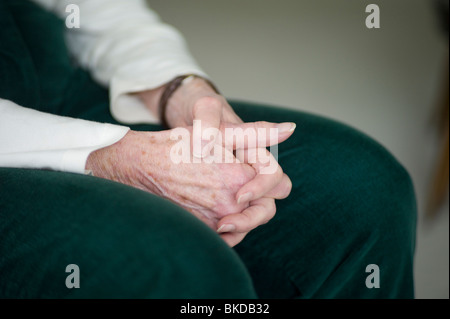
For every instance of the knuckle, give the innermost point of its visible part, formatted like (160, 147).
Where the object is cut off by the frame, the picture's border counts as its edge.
(207, 102)
(238, 176)
(244, 222)
(286, 187)
(272, 209)
(197, 107)
(270, 214)
(278, 174)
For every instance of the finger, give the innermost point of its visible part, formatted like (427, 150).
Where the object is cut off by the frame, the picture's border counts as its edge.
(259, 212)
(269, 174)
(255, 134)
(207, 115)
(282, 190)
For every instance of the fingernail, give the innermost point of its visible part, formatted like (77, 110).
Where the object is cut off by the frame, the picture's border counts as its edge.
(245, 198)
(226, 228)
(286, 127)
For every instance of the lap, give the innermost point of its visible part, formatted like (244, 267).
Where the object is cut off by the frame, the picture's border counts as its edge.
(127, 243)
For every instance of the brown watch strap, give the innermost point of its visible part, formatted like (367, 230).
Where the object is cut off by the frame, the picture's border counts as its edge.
(171, 87)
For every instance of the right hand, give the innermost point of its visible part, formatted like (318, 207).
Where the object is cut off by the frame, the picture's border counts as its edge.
(207, 190)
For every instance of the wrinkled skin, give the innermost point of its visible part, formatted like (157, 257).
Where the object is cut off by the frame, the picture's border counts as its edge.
(232, 198)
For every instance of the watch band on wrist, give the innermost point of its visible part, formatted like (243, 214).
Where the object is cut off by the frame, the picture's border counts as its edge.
(171, 87)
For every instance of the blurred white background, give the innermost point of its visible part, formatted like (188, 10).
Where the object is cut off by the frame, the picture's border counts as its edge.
(318, 56)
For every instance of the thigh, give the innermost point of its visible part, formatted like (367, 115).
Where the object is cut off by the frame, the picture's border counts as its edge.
(127, 243)
(352, 204)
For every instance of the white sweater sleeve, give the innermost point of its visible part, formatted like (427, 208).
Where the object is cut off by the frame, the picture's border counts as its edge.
(127, 48)
(32, 139)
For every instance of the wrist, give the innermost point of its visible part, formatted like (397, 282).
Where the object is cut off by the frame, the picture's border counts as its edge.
(179, 94)
(151, 99)
(105, 162)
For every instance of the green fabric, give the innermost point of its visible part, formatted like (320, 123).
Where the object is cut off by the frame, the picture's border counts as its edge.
(352, 204)
(127, 244)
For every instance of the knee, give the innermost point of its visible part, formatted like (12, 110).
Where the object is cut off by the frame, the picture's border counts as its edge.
(142, 254)
(365, 202)
(380, 212)
(381, 189)
(372, 193)
(352, 174)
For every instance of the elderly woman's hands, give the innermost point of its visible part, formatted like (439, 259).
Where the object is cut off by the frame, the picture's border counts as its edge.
(197, 100)
(142, 160)
(207, 190)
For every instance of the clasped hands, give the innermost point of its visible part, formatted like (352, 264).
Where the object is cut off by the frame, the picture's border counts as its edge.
(232, 197)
